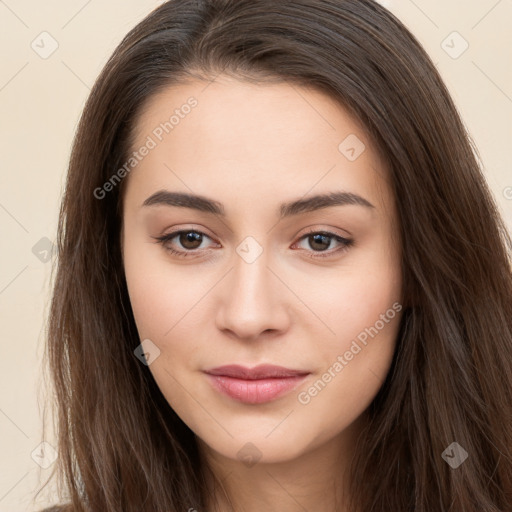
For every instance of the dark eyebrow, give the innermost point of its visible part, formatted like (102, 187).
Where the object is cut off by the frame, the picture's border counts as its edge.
(320, 201)
(309, 204)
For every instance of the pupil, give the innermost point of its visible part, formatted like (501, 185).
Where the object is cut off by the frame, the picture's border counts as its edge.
(318, 238)
(190, 237)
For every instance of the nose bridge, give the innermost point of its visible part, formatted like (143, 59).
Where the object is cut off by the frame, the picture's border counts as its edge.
(250, 273)
(252, 302)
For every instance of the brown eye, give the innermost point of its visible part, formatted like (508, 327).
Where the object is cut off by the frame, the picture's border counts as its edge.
(183, 243)
(319, 242)
(190, 239)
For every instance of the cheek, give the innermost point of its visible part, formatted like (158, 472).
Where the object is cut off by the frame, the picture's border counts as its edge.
(357, 299)
(354, 362)
(166, 304)
(363, 309)
(162, 297)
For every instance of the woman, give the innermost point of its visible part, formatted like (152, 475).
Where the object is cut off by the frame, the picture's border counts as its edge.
(283, 282)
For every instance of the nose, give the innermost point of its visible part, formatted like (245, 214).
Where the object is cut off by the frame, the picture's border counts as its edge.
(253, 300)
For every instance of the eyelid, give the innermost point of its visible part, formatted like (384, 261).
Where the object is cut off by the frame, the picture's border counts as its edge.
(316, 229)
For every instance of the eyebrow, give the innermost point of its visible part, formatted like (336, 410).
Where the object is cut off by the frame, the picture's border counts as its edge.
(309, 204)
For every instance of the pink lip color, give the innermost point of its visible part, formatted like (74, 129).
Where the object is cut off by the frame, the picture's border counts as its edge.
(257, 385)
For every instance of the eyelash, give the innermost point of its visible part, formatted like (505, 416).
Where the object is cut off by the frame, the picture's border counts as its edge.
(346, 243)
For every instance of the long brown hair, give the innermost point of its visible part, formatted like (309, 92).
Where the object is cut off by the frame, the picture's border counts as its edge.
(121, 446)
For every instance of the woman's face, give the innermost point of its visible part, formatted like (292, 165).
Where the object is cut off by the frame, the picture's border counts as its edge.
(263, 273)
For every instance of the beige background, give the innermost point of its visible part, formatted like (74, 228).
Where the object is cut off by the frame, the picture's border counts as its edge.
(40, 102)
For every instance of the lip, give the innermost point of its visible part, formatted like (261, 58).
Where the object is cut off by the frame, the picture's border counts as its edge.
(256, 385)
(262, 371)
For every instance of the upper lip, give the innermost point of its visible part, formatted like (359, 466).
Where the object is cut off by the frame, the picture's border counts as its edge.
(262, 371)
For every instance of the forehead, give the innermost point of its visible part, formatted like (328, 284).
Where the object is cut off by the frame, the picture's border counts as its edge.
(229, 136)
(228, 111)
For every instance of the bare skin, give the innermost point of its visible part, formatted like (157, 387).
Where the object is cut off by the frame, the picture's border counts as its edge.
(251, 148)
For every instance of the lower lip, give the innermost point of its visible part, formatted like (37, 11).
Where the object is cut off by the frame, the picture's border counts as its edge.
(256, 391)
